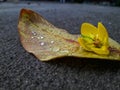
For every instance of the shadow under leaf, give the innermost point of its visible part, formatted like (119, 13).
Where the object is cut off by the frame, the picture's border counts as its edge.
(87, 63)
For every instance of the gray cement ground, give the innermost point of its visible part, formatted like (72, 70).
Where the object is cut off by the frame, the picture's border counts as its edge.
(20, 70)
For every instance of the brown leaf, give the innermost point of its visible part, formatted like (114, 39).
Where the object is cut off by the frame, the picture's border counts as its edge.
(46, 41)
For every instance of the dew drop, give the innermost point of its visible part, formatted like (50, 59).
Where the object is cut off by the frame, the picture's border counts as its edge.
(52, 42)
(34, 33)
(32, 37)
(38, 37)
(41, 37)
(42, 43)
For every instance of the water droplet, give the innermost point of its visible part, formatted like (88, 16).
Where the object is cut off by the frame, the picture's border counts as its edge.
(41, 37)
(42, 43)
(52, 42)
(56, 49)
(32, 37)
(34, 33)
(38, 37)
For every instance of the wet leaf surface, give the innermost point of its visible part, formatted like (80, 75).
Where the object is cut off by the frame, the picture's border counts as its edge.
(47, 42)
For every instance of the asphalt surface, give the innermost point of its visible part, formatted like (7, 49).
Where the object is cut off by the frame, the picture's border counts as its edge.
(20, 70)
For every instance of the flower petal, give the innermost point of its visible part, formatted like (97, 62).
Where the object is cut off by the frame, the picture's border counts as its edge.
(102, 33)
(88, 29)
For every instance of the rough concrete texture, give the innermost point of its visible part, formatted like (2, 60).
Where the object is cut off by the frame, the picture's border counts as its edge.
(20, 70)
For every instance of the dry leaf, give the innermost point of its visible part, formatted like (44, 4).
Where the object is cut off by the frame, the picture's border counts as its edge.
(47, 42)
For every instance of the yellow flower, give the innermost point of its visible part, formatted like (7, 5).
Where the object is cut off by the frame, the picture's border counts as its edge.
(94, 39)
